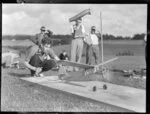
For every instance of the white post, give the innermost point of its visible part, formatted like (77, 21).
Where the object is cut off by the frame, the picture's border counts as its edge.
(102, 54)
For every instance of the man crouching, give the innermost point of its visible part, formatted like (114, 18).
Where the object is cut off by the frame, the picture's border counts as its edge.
(41, 58)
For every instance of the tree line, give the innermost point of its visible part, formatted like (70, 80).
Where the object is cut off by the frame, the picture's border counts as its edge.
(66, 39)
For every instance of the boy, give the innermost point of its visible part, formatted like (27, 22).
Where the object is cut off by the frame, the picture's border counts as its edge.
(40, 35)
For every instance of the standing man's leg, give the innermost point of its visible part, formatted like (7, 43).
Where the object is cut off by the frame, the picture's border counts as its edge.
(79, 49)
(90, 55)
(86, 53)
(96, 54)
(146, 54)
(73, 50)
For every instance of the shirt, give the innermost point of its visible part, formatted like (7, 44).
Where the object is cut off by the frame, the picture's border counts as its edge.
(91, 39)
(94, 39)
(78, 31)
(39, 37)
(88, 40)
(37, 50)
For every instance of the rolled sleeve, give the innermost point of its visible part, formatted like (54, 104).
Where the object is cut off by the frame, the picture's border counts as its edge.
(83, 29)
(31, 52)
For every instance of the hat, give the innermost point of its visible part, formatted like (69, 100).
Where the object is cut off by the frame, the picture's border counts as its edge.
(43, 28)
(79, 20)
(93, 28)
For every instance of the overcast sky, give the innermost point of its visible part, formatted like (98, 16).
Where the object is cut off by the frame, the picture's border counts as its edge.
(117, 19)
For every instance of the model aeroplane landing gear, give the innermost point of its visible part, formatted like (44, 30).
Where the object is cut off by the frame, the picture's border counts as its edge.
(104, 87)
(104, 72)
(94, 88)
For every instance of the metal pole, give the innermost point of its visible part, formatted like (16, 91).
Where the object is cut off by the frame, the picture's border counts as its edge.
(101, 41)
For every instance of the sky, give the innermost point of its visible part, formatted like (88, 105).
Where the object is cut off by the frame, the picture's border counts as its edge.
(117, 19)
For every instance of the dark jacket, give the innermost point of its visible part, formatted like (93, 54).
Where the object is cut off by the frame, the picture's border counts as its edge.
(63, 57)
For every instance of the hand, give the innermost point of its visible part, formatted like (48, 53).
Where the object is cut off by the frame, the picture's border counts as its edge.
(96, 68)
(38, 70)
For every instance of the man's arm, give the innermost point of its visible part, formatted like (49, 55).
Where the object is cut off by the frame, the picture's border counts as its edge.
(83, 29)
(30, 53)
(53, 55)
(29, 66)
(72, 28)
(56, 58)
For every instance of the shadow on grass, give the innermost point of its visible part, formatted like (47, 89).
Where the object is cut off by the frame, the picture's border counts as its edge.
(19, 75)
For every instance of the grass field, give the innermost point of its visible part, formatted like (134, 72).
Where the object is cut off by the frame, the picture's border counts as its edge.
(22, 96)
(18, 95)
(111, 48)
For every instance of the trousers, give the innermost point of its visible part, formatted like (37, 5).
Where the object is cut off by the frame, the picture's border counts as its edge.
(37, 62)
(92, 51)
(76, 50)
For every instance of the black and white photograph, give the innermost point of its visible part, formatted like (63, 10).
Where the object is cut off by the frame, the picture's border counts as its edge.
(73, 57)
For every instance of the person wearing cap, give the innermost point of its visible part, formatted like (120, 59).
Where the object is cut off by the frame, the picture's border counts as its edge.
(40, 35)
(92, 42)
(78, 33)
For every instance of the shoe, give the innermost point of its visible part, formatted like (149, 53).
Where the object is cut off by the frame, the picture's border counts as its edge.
(35, 76)
(41, 75)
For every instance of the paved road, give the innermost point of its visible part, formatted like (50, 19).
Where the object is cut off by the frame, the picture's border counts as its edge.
(18, 95)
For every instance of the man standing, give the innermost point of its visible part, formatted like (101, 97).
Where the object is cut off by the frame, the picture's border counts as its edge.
(78, 33)
(92, 49)
(40, 35)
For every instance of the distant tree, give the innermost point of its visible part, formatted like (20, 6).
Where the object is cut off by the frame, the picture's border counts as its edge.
(119, 37)
(127, 38)
(138, 36)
